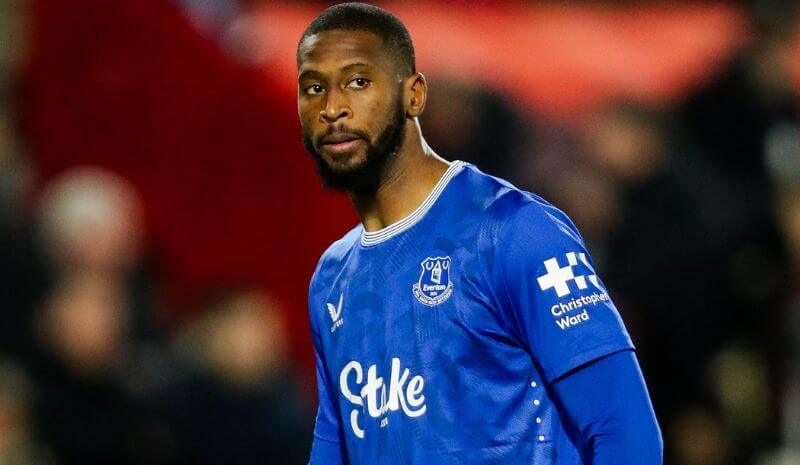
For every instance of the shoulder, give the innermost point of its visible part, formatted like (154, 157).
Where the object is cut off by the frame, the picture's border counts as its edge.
(328, 266)
(340, 249)
(336, 254)
(525, 215)
(510, 212)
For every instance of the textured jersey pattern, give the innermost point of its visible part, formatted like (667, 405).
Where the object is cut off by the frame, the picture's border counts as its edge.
(437, 338)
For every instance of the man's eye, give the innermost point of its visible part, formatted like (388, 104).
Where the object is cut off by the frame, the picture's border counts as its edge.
(314, 89)
(358, 83)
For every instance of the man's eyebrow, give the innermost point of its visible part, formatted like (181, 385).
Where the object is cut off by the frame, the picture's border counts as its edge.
(353, 65)
(309, 73)
(312, 73)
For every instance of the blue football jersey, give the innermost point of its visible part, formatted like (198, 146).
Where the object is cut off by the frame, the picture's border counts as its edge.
(437, 338)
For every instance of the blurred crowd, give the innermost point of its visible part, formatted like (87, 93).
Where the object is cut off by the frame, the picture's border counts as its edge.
(691, 212)
(88, 373)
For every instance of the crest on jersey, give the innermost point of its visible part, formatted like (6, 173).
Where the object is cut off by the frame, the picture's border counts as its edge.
(434, 285)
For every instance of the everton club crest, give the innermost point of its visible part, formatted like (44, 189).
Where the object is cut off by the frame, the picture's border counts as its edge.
(434, 285)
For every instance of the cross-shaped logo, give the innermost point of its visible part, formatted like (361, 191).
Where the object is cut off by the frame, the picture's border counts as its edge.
(558, 278)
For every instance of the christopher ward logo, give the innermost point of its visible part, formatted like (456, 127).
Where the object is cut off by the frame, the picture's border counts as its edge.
(372, 397)
(563, 281)
(558, 278)
(566, 312)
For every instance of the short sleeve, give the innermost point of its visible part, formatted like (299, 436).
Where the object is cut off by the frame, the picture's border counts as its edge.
(327, 425)
(557, 304)
(327, 447)
(327, 428)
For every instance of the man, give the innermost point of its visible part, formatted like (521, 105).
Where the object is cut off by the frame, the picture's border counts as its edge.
(461, 322)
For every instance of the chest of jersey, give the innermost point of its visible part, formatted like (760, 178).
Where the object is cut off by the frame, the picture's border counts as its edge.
(414, 342)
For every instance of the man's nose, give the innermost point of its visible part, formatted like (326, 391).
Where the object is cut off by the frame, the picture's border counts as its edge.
(335, 108)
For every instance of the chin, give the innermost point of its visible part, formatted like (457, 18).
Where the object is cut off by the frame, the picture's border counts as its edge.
(344, 162)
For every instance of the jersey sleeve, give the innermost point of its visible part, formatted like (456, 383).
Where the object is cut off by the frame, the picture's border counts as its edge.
(610, 409)
(328, 447)
(558, 306)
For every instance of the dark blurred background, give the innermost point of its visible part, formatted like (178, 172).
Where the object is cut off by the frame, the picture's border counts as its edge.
(159, 220)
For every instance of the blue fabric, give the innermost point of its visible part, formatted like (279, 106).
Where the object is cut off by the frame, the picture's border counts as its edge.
(327, 453)
(438, 339)
(607, 407)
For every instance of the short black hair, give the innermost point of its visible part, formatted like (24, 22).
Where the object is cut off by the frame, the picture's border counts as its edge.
(356, 16)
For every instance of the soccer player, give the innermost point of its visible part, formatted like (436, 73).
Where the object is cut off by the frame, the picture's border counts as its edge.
(462, 321)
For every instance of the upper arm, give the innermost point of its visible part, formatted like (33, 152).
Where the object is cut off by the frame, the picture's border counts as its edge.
(558, 305)
(328, 424)
(328, 445)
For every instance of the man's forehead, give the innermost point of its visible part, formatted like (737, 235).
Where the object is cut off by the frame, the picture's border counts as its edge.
(341, 45)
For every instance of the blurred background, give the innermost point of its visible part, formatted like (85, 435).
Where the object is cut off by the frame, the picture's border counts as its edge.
(159, 220)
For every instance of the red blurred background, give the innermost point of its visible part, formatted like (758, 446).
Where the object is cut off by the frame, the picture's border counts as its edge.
(191, 107)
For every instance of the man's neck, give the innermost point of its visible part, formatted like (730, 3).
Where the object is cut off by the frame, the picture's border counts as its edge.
(412, 177)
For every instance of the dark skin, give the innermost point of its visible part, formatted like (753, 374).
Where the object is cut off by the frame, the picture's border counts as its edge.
(348, 79)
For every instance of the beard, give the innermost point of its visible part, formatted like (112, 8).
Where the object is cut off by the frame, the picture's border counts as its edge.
(369, 174)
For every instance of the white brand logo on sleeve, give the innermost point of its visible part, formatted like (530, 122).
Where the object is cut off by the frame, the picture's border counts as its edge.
(572, 312)
(558, 278)
(371, 395)
(336, 314)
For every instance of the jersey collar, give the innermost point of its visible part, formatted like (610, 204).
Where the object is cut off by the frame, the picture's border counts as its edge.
(381, 235)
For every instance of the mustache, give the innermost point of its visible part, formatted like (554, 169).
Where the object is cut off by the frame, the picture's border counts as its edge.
(341, 130)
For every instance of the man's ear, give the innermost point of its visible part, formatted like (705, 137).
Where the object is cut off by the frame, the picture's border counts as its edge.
(416, 94)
